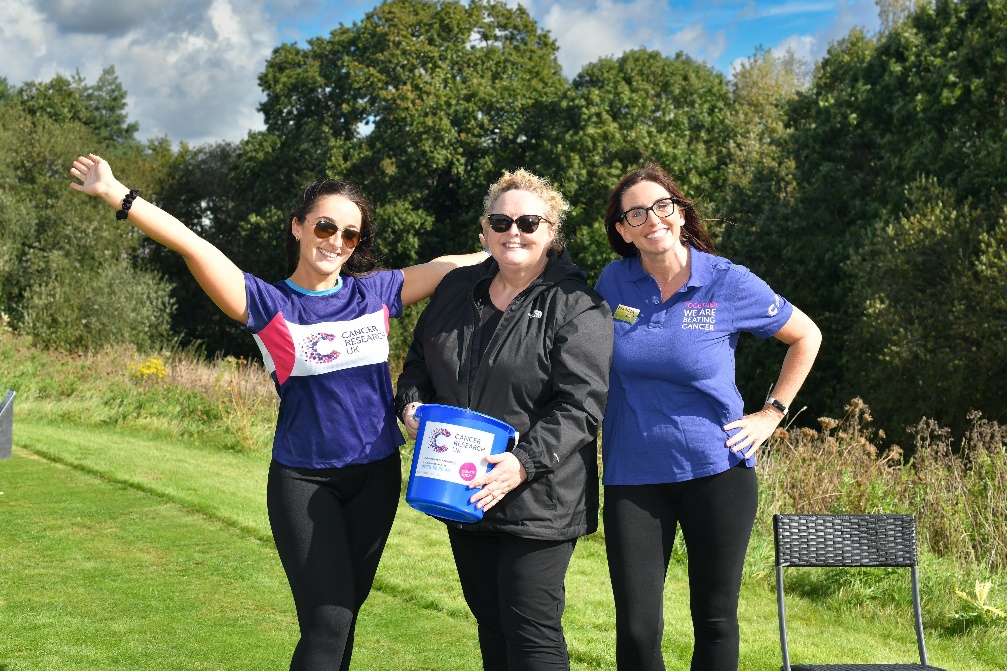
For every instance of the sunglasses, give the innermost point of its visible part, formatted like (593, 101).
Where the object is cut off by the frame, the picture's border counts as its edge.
(526, 223)
(326, 229)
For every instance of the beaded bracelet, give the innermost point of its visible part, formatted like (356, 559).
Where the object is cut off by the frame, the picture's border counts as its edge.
(127, 202)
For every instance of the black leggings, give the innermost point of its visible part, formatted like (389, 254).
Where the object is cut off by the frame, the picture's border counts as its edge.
(716, 514)
(515, 589)
(330, 526)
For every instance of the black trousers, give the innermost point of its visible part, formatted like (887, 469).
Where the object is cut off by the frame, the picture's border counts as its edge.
(330, 526)
(716, 514)
(515, 589)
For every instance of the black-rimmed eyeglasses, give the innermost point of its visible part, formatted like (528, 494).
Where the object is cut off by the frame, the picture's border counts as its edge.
(526, 223)
(636, 216)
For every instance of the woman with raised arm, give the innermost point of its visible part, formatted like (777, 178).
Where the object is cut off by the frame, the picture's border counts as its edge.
(335, 478)
(678, 449)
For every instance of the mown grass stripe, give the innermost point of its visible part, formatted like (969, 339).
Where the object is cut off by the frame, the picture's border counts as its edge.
(415, 619)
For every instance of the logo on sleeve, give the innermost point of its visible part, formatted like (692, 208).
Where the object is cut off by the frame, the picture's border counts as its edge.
(774, 309)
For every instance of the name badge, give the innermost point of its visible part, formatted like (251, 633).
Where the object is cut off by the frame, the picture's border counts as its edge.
(624, 313)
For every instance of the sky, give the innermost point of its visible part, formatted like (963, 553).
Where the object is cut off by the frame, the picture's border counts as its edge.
(190, 67)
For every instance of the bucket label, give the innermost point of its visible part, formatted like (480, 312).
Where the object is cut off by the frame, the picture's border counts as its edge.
(453, 453)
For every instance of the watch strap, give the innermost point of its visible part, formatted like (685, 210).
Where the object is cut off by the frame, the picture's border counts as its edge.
(778, 405)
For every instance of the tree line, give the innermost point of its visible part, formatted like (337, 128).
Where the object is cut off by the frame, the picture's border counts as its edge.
(868, 188)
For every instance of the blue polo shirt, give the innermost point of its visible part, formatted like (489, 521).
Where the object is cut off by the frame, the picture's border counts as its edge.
(672, 386)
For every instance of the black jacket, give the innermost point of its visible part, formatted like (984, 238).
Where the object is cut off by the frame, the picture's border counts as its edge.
(545, 372)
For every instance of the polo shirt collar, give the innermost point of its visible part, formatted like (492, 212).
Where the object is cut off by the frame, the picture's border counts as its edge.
(700, 272)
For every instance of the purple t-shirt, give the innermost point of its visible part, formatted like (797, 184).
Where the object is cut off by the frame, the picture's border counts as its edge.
(327, 352)
(672, 386)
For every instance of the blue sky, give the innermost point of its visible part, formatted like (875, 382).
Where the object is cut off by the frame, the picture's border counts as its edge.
(717, 31)
(190, 67)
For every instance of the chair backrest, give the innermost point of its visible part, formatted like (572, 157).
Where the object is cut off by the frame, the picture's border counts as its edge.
(846, 540)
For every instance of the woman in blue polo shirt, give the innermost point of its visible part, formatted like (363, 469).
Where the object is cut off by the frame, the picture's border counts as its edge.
(677, 446)
(335, 478)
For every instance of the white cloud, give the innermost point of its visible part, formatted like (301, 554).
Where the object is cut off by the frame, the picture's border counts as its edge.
(588, 30)
(23, 32)
(791, 8)
(803, 47)
(698, 42)
(98, 17)
(189, 67)
(861, 14)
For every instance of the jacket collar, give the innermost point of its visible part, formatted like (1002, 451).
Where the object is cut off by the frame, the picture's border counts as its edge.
(558, 267)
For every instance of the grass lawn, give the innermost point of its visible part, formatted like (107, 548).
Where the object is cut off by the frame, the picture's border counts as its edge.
(123, 551)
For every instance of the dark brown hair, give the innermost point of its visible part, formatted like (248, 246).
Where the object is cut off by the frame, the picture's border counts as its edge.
(693, 233)
(362, 260)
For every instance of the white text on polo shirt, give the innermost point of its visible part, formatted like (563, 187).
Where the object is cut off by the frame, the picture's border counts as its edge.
(699, 316)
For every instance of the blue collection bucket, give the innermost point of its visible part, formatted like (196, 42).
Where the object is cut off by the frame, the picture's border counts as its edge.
(451, 448)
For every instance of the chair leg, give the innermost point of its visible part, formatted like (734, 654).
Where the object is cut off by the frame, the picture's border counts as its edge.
(917, 611)
(781, 613)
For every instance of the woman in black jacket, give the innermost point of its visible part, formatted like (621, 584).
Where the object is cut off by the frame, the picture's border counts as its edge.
(520, 337)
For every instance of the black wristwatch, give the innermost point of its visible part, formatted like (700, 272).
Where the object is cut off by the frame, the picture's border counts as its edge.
(778, 405)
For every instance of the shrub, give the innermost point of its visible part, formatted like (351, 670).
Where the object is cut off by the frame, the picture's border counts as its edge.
(79, 309)
(227, 403)
(957, 489)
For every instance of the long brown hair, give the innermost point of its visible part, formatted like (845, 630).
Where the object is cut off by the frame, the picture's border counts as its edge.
(694, 234)
(362, 260)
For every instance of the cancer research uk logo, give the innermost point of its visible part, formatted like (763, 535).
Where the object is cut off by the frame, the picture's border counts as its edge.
(320, 355)
(439, 446)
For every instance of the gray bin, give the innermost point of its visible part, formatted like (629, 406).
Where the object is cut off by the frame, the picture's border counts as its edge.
(7, 425)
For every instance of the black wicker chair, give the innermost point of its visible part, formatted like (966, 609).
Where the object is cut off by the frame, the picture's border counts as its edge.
(847, 540)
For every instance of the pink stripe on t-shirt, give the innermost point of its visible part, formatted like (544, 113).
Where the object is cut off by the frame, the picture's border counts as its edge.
(278, 342)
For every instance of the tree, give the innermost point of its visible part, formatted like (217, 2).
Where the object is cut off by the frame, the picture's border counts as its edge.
(100, 106)
(106, 101)
(930, 288)
(893, 12)
(70, 274)
(421, 103)
(6, 92)
(760, 191)
(197, 185)
(58, 99)
(621, 113)
(928, 98)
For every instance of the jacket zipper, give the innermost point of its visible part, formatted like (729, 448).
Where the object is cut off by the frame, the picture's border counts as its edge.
(494, 345)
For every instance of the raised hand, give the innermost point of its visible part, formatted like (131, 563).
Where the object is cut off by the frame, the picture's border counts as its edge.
(95, 175)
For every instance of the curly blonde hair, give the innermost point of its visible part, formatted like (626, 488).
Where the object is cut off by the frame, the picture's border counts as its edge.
(523, 180)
